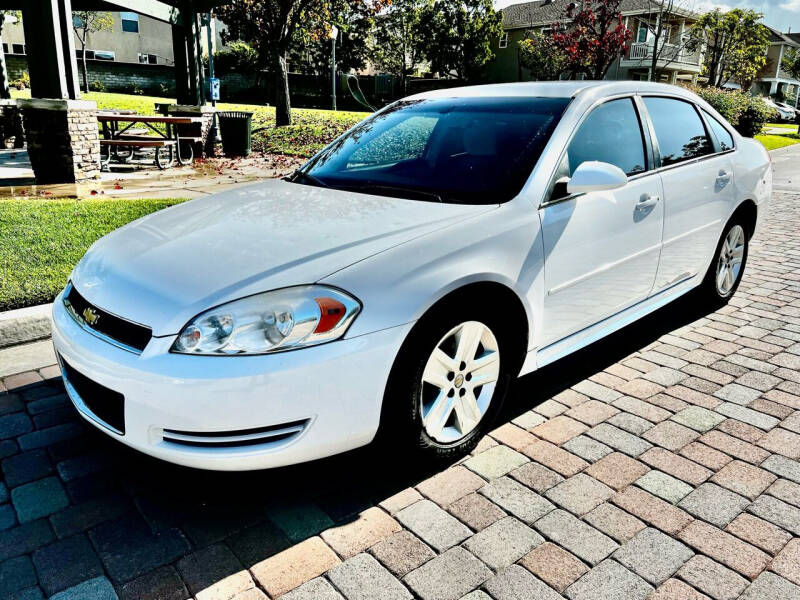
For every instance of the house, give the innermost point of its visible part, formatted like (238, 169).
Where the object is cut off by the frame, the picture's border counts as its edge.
(675, 61)
(774, 80)
(137, 51)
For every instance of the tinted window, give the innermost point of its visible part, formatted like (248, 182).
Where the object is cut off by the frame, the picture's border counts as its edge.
(612, 134)
(679, 130)
(466, 150)
(724, 138)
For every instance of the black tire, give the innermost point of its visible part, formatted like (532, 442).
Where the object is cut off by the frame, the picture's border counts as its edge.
(401, 419)
(710, 290)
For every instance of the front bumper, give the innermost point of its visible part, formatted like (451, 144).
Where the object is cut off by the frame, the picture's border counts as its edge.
(333, 390)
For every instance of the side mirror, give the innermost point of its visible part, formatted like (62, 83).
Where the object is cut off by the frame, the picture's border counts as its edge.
(594, 176)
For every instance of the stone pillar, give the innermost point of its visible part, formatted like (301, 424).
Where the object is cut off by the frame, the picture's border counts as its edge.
(204, 145)
(63, 140)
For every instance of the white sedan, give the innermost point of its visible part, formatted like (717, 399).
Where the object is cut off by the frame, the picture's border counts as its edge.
(398, 281)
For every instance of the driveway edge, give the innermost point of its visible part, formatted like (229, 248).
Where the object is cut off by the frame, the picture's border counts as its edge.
(25, 325)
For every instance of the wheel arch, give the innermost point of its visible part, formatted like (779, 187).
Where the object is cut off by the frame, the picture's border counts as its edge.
(748, 212)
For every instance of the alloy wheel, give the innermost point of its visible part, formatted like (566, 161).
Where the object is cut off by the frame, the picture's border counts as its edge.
(730, 259)
(458, 382)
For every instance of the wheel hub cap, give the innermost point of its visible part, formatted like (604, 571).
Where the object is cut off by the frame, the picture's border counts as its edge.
(458, 382)
(729, 264)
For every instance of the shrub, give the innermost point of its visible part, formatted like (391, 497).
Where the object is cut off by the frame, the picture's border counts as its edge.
(22, 82)
(134, 89)
(239, 57)
(746, 113)
(754, 116)
(97, 86)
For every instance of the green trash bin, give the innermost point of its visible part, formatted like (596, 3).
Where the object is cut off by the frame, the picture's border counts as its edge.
(234, 126)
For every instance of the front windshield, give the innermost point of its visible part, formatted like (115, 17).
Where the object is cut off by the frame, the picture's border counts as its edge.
(464, 150)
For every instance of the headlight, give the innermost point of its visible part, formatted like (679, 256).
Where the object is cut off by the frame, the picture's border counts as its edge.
(270, 322)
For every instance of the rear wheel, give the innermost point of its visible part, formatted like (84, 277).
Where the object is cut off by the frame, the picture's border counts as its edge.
(448, 383)
(726, 270)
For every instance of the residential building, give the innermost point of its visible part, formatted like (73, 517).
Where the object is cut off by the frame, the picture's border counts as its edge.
(133, 38)
(675, 61)
(774, 80)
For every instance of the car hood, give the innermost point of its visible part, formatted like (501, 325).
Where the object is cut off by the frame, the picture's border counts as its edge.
(167, 267)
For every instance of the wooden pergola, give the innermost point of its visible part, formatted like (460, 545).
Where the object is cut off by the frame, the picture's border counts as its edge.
(52, 63)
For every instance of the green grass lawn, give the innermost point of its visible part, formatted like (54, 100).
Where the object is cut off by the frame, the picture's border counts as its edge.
(311, 131)
(41, 240)
(773, 142)
(782, 125)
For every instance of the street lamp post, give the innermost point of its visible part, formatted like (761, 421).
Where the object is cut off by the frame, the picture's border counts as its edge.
(214, 133)
(334, 34)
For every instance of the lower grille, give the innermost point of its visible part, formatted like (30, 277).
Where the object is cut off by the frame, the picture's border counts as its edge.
(274, 434)
(106, 405)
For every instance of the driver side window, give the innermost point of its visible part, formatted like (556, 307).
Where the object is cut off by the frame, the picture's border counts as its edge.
(611, 134)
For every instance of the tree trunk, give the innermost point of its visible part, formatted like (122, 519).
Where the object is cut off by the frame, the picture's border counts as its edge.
(283, 108)
(5, 92)
(83, 68)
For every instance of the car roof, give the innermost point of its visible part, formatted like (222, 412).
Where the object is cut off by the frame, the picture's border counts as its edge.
(556, 89)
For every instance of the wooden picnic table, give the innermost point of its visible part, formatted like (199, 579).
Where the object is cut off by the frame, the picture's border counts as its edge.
(168, 145)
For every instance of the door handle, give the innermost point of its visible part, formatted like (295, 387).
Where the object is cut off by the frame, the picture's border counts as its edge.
(647, 201)
(723, 176)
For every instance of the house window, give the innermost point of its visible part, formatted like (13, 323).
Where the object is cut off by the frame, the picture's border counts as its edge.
(104, 55)
(503, 40)
(18, 48)
(130, 22)
(5, 48)
(641, 36)
(89, 54)
(148, 59)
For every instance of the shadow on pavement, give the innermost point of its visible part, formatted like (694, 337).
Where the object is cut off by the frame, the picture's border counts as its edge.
(141, 513)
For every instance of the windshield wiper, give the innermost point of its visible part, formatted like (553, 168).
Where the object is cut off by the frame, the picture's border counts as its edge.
(300, 176)
(395, 191)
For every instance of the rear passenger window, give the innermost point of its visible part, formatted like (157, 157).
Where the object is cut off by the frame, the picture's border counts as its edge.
(724, 138)
(679, 130)
(612, 134)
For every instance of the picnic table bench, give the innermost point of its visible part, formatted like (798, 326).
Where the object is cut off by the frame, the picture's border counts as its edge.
(168, 145)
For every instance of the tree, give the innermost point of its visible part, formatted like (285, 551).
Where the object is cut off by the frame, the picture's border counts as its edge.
(85, 22)
(791, 63)
(657, 22)
(396, 46)
(539, 53)
(271, 26)
(355, 22)
(736, 45)
(457, 36)
(592, 36)
(5, 92)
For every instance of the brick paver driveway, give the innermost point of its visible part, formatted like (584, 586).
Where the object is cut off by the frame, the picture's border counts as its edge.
(661, 463)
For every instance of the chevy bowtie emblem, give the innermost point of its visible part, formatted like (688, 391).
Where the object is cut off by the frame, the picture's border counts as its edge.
(90, 316)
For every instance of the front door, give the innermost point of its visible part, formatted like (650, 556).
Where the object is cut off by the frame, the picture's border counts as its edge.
(601, 249)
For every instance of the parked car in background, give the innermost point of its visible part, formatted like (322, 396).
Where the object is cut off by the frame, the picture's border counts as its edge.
(785, 112)
(788, 107)
(398, 281)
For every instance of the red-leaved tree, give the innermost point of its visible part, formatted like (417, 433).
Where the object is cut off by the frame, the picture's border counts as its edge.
(592, 35)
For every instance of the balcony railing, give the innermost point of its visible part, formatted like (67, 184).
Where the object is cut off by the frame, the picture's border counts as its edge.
(670, 52)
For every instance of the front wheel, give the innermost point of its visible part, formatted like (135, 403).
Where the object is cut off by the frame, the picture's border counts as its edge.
(727, 268)
(448, 383)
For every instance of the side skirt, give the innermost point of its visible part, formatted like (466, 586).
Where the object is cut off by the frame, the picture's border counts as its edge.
(544, 356)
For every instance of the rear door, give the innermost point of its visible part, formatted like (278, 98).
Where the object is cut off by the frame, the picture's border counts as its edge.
(601, 248)
(697, 188)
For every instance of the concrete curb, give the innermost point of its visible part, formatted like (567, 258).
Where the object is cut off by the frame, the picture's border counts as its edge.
(25, 325)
